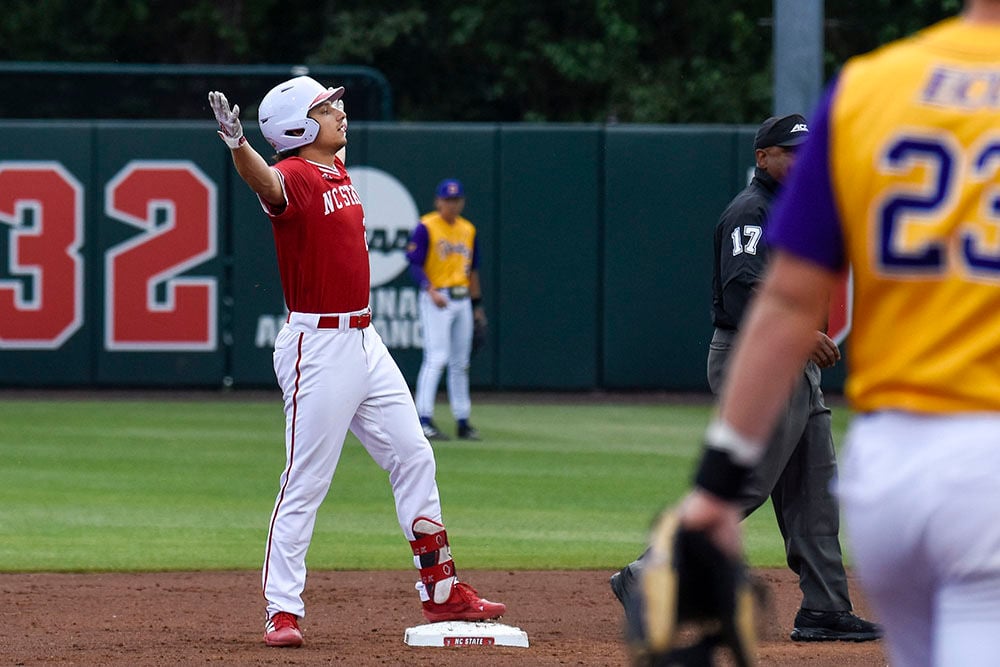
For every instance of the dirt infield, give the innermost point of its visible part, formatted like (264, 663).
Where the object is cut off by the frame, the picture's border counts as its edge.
(355, 618)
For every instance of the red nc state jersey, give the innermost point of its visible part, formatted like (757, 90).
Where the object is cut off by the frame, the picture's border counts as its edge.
(320, 239)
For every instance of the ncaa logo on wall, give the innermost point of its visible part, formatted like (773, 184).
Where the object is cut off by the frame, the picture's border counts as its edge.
(390, 216)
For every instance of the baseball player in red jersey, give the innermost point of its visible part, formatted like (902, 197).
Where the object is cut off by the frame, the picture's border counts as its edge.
(334, 371)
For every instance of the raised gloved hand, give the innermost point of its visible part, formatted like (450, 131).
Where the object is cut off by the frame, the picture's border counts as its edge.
(687, 582)
(230, 128)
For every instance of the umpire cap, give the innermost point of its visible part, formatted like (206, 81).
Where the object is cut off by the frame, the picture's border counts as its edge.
(788, 130)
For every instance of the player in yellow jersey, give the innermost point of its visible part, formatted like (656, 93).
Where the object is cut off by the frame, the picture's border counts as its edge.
(444, 262)
(900, 179)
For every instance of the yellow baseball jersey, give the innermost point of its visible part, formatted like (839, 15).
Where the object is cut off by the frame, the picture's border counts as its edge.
(445, 251)
(901, 179)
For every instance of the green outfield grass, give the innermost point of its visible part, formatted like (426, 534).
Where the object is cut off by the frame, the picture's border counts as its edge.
(96, 485)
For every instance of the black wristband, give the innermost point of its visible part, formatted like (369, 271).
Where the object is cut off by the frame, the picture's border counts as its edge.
(720, 475)
(476, 302)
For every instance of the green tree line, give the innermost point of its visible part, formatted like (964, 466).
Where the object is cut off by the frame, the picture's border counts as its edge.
(636, 61)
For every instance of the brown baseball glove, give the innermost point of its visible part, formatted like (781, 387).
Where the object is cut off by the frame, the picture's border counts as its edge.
(693, 601)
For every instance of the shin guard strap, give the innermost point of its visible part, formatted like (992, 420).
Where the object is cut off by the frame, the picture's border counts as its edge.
(426, 544)
(435, 573)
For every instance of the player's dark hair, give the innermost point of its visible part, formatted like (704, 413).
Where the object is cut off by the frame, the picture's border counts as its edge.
(281, 155)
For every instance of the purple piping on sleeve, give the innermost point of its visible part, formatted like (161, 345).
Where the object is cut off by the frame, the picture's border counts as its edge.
(418, 255)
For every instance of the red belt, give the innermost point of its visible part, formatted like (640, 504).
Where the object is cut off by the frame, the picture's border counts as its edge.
(353, 322)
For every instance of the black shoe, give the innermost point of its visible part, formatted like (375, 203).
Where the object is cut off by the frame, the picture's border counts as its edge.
(468, 432)
(625, 586)
(831, 626)
(431, 431)
(622, 585)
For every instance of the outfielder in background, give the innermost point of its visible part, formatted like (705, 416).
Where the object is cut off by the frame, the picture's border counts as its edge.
(334, 371)
(899, 180)
(444, 262)
(799, 466)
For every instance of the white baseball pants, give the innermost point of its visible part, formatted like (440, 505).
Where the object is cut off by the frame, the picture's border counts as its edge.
(447, 341)
(333, 380)
(921, 501)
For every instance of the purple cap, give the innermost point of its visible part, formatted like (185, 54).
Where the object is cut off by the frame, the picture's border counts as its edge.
(450, 188)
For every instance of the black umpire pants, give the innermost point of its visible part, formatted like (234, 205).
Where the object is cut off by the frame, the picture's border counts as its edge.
(797, 471)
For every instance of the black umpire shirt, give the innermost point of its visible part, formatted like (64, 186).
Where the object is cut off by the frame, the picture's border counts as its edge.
(740, 253)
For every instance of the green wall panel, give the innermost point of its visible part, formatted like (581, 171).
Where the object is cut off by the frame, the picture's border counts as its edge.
(32, 351)
(664, 191)
(170, 175)
(595, 250)
(256, 305)
(550, 201)
(419, 156)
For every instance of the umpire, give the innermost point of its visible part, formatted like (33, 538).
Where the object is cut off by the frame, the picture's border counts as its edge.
(800, 463)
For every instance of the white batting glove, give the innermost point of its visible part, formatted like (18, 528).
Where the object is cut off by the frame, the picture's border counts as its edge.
(230, 128)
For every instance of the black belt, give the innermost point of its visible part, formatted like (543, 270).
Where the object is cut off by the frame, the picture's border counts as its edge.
(461, 292)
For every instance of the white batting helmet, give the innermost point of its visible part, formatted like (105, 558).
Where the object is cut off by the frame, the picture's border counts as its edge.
(283, 113)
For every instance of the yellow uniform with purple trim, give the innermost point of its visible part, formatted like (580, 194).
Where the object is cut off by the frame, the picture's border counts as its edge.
(442, 256)
(449, 250)
(901, 178)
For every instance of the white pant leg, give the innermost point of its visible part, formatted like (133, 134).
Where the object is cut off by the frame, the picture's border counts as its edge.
(458, 359)
(921, 500)
(388, 427)
(312, 369)
(969, 631)
(436, 324)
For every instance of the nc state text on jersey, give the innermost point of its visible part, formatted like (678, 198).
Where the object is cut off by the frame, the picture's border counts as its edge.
(339, 197)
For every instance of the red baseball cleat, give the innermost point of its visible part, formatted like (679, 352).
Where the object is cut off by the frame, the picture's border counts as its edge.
(464, 604)
(282, 629)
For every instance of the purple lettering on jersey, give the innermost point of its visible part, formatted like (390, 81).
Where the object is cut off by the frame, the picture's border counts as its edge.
(968, 89)
(444, 248)
(805, 221)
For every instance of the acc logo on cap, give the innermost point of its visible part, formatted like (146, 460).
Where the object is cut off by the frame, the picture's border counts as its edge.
(799, 127)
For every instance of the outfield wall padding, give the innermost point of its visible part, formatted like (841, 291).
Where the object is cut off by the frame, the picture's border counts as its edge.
(132, 255)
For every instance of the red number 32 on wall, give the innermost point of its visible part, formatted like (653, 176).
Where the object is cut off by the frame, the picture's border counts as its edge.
(148, 303)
